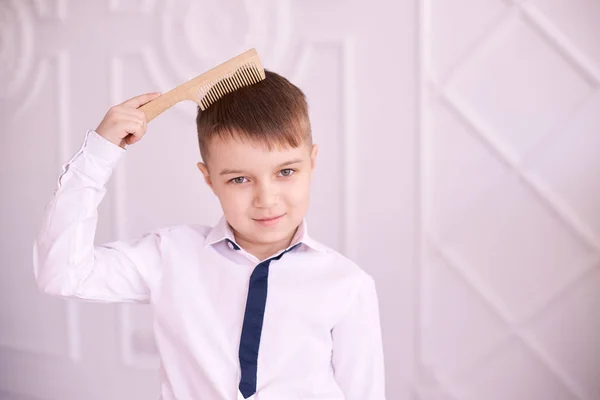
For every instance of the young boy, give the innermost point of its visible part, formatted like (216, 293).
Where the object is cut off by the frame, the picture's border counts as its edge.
(250, 308)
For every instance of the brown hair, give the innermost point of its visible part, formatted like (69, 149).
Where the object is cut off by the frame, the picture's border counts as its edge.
(272, 112)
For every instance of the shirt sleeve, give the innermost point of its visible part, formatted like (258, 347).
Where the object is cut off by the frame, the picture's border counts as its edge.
(66, 262)
(357, 357)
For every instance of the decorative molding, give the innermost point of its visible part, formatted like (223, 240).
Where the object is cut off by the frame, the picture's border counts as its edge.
(516, 326)
(560, 43)
(349, 130)
(74, 330)
(422, 179)
(119, 221)
(258, 36)
(64, 133)
(513, 162)
(128, 336)
(475, 47)
(72, 311)
(430, 91)
(45, 10)
(17, 52)
(32, 92)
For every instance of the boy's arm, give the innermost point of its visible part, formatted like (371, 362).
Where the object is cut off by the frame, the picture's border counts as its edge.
(65, 261)
(357, 348)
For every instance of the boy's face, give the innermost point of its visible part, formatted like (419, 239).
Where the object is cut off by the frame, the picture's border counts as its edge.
(264, 194)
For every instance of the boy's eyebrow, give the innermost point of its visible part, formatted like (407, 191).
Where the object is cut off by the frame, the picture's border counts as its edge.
(231, 171)
(227, 171)
(285, 164)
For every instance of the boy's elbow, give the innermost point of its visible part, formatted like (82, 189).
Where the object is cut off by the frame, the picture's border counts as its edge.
(51, 284)
(48, 277)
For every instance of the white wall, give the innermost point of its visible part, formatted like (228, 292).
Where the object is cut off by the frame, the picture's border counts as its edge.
(459, 165)
(510, 199)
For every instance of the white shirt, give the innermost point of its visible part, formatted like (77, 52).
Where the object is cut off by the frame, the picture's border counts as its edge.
(321, 336)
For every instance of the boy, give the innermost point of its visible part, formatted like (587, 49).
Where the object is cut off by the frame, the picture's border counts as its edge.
(250, 308)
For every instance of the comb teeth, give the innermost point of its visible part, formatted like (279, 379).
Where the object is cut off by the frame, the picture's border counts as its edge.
(246, 75)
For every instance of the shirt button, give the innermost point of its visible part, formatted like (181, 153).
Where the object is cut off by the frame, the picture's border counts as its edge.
(230, 245)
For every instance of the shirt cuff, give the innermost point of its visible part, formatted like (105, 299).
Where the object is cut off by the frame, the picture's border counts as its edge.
(103, 149)
(96, 158)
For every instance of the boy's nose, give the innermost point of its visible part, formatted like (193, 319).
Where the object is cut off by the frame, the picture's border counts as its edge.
(266, 196)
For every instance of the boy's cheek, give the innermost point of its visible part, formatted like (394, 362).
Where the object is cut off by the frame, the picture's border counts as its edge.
(235, 200)
(302, 187)
(297, 196)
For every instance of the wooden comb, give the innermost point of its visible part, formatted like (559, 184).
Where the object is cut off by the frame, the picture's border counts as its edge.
(243, 70)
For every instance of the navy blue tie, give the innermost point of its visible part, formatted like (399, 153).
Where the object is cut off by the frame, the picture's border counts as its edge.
(253, 322)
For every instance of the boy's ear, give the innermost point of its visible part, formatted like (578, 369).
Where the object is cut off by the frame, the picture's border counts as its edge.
(313, 156)
(204, 169)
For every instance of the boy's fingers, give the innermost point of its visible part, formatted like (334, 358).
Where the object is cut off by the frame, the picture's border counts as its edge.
(140, 100)
(131, 139)
(133, 114)
(135, 128)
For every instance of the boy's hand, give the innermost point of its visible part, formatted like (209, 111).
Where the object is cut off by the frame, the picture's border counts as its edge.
(124, 124)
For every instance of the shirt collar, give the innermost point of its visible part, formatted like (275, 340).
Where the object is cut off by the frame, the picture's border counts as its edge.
(222, 232)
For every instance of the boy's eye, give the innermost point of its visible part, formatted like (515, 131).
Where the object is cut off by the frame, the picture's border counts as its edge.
(286, 172)
(238, 180)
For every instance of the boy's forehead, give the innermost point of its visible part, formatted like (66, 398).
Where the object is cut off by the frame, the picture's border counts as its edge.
(244, 153)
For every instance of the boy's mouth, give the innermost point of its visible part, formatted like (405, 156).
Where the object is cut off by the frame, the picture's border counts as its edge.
(269, 221)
